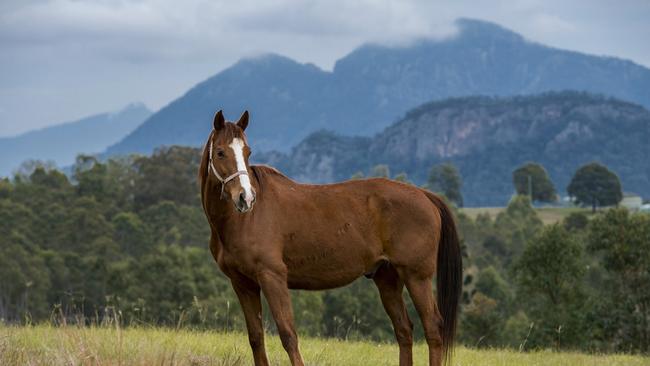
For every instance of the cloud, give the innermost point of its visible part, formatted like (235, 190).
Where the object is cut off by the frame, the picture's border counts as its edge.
(139, 27)
(65, 20)
(380, 20)
(549, 23)
(63, 59)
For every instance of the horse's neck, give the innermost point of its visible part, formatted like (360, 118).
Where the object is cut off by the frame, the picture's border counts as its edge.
(215, 209)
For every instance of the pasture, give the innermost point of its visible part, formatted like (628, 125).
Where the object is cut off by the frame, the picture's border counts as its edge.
(548, 215)
(47, 345)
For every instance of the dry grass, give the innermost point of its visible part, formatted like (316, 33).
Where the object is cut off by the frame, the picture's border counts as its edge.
(46, 345)
(548, 215)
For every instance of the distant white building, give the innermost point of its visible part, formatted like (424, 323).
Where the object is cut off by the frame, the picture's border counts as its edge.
(632, 202)
(566, 201)
(645, 208)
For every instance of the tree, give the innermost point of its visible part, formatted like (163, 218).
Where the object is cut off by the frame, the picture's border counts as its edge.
(130, 234)
(83, 225)
(29, 166)
(516, 225)
(444, 178)
(623, 241)
(381, 171)
(355, 311)
(5, 188)
(308, 311)
(401, 177)
(593, 184)
(482, 322)
(549, 276)
(90, 175)
(532, 179)
(490, 306)
(575, 221)
(168, 175)
(25, 280)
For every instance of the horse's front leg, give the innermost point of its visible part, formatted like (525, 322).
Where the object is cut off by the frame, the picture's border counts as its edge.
(248, 293)
(276, 292)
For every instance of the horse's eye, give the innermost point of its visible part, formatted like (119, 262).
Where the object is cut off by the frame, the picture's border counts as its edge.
(221, 154)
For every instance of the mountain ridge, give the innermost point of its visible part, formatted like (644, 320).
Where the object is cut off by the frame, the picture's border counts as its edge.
(375, 85)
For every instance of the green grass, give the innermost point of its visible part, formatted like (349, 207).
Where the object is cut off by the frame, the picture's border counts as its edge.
(46, 345)
(548, 215)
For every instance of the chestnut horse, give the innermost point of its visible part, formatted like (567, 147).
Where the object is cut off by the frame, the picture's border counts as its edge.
(271, 234)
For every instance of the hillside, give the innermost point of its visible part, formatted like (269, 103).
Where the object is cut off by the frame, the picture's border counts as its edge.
(374, 86)
(61, 143)
(487, 138)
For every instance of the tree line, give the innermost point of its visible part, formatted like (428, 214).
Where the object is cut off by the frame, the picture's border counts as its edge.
(126, 240)
(592, 185)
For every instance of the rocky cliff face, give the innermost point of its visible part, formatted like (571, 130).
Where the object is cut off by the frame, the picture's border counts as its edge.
(487, 138)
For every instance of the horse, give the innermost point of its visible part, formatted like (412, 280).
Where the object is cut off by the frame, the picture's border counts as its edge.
(270, 234)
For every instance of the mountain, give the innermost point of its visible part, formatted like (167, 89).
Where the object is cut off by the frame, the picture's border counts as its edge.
(284, 92)
(487, 138)
(61, 143)
(375, 85)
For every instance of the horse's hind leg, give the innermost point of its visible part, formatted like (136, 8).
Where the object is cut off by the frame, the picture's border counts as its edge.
(421, 291)
(390, 290)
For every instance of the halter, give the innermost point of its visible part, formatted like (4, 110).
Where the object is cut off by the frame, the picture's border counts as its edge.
(223, 181)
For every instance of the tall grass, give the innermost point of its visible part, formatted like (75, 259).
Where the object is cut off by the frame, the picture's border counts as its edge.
(113, 345)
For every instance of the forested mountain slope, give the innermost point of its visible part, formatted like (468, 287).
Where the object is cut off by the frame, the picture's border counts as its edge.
(487, 138)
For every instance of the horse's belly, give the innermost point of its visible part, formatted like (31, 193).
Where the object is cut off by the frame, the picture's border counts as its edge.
(316, 281)
(327, 266)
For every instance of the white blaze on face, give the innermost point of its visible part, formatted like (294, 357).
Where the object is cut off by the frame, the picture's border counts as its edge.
(237, 146)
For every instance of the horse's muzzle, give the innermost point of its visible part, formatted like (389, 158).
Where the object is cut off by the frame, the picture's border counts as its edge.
(245, 202)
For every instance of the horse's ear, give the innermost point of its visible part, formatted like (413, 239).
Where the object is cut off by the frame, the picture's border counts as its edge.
(219, 121)
(243, 121)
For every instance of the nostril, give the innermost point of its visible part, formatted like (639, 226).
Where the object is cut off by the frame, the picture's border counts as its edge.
(242, 198)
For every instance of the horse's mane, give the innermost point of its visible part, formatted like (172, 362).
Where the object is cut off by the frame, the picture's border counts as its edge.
(203, 168)
(262, 174)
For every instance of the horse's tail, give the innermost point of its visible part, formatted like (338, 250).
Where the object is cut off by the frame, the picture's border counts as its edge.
(449, 276)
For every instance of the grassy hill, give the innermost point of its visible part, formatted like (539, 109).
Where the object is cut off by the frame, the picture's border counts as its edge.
(45, 345)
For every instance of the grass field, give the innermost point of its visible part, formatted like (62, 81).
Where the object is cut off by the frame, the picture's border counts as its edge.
(548, 215)
(45, 345)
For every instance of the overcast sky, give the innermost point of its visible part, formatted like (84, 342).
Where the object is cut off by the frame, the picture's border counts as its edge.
(61, 60)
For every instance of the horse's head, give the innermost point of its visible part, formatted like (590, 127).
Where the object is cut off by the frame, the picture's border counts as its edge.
(228, 161)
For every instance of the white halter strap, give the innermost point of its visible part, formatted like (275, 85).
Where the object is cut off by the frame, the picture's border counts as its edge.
(223, 181)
